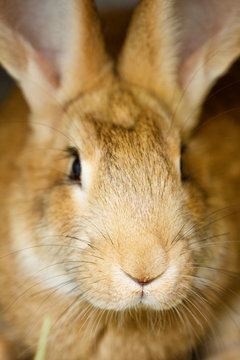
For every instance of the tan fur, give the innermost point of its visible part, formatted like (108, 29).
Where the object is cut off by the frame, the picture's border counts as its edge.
(74, 250)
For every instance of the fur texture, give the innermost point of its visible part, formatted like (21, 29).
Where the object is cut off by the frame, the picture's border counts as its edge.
(137, 257)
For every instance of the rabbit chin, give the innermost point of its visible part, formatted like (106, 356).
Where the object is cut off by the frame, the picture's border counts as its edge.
(164, 293)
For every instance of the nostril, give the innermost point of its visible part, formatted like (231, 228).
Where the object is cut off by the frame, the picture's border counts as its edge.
(142, 282)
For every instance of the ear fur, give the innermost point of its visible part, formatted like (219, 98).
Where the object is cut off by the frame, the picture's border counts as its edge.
(53, 48)
(177, 49)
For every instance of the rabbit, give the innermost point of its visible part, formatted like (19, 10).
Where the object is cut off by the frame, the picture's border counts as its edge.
(119, 212)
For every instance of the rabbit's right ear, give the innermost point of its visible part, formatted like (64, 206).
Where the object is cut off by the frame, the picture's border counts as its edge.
(177, 49)
(53, 48)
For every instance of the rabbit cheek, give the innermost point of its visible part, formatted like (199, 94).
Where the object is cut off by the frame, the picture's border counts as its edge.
(57, 244)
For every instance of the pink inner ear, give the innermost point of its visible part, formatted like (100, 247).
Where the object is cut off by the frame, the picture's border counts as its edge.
(186, 72)
(201, 20)
(206, 25)
(46, 25)
(46, 68)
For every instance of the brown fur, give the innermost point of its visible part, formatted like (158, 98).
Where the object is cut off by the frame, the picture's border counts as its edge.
(73, 250)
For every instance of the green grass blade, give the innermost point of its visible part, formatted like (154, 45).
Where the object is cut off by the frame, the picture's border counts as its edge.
(42, 345)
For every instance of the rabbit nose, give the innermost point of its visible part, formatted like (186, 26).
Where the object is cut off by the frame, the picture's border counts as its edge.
(143, 282)
(144, 260)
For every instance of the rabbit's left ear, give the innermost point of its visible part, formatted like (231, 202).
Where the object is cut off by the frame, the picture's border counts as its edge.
(53, 48)
(177, 49)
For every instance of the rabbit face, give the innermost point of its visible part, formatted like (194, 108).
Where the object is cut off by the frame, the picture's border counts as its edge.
(113, 212)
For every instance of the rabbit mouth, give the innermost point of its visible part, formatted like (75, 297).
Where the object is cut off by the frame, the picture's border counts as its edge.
(161, 293)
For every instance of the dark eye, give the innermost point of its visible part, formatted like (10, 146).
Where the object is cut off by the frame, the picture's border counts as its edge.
(75, 173)
(76, 170)
(184, 174)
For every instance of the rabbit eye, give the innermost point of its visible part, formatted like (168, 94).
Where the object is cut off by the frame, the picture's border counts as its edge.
(76, 169)
(184, 175)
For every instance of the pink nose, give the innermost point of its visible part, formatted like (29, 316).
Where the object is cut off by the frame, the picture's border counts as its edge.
(142, 282)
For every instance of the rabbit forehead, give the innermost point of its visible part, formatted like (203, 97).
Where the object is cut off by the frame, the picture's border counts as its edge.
(142, 148)
(118, 103)
(121, 115)
(134, 163)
